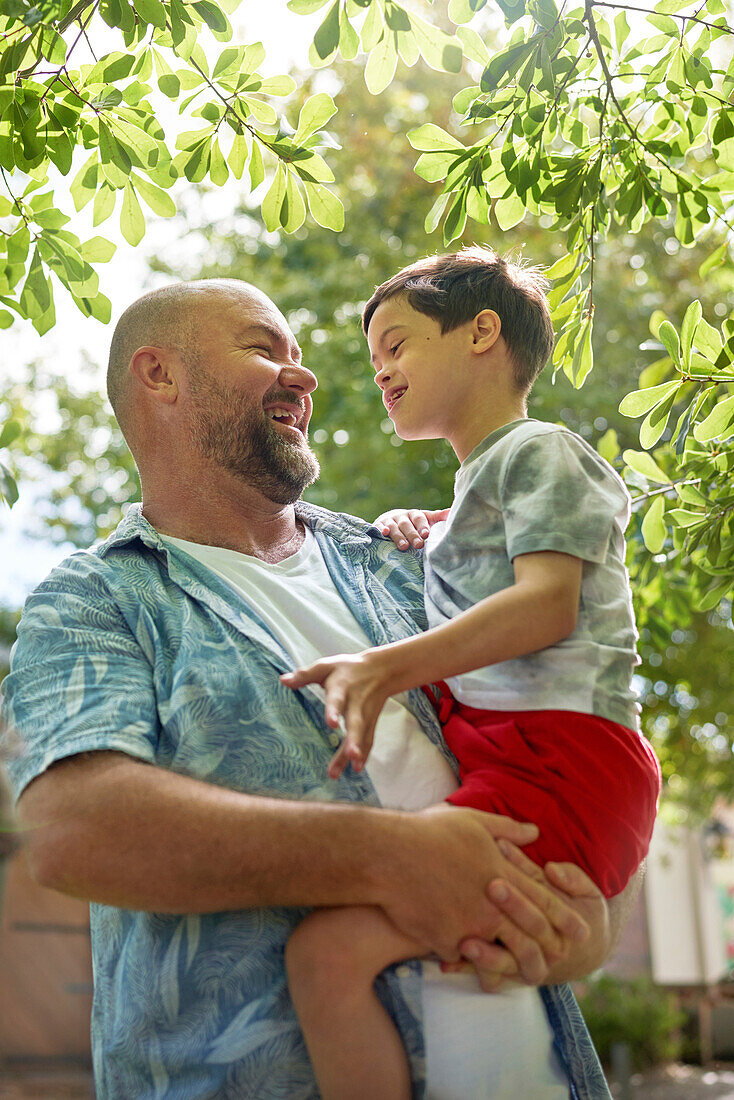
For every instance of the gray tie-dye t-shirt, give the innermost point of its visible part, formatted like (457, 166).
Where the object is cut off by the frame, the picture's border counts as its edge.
(532, 486)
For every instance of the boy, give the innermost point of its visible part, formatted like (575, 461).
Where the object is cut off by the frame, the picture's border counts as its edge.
(527, 572)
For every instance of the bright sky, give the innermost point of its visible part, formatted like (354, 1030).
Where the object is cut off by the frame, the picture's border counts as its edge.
(25, 562)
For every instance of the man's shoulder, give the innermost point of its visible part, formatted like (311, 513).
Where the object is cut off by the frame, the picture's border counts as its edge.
(116, 560)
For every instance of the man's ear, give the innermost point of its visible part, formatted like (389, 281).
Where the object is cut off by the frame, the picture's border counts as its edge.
(486, 330)
(155, 370)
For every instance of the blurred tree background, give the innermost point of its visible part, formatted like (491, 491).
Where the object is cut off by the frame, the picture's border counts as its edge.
(320, 280)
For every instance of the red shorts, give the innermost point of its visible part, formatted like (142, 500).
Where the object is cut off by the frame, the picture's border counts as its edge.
(590, 785)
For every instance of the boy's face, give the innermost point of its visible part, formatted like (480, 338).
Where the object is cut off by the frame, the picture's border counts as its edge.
(424, 374)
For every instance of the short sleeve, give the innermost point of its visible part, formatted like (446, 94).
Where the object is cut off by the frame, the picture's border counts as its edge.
(557, 494)
(78, 680)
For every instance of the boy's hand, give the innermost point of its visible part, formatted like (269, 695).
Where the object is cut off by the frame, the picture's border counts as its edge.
(356, 689)
(409, 526)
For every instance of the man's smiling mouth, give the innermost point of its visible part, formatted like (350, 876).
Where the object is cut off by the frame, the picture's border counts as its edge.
(283, 416)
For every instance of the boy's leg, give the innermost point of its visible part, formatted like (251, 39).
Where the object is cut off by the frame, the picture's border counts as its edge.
(332, 959)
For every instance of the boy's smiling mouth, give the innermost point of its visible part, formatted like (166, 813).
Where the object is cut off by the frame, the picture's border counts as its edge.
(393, 396)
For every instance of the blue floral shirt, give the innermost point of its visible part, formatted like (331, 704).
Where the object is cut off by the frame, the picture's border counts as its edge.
(135, 647)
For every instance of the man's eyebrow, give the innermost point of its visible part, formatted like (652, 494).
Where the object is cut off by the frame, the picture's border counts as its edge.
(384, 335)
(272, 333)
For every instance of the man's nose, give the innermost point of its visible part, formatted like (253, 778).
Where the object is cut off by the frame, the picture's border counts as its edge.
(297, 377)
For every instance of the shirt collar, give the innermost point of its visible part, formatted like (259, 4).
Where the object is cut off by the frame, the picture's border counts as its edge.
(348, 530)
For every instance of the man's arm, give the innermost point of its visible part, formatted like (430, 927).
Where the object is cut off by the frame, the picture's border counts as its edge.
(108, 828)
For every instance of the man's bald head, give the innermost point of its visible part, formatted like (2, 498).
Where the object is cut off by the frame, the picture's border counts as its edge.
(172, 317)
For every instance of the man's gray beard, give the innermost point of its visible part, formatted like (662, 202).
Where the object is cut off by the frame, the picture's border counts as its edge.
(226, 428)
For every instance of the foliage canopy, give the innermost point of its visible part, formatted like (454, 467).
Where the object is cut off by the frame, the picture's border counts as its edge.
(603, 115)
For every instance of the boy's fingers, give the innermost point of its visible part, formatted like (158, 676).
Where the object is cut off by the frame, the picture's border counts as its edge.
(338, 763)
(302, 676)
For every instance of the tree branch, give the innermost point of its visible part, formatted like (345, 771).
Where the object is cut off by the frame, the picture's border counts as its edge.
(672, 14)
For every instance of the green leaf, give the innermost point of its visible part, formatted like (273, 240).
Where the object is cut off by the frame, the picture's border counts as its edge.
(708, 341)
(430, 138)
(132, 222)
(473, 47)
(273, 201)
(716, 258)
(152, 12)
(373, 26)
(718, 424)
(97, 250)
(714, 594)
(653, 526)
(688, 330)
(104, 204)
(656, 422)
(326, 39)
(257, 169)
(608, 445)
(306, 7)
(278, 85)
(8, 486)
(315, 113)
(440, 51)
(6, 319)
(159, 201)
(326, 208)
(681, 517)
(237, 157)
(293, 211)
(434, 215)
(10, 432)
(463, 11)
(669, 338)
(214, 17)
(509, 211)
(381, 65)
(644, 464)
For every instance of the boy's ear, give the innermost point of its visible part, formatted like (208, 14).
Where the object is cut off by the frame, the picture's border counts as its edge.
(486, 330)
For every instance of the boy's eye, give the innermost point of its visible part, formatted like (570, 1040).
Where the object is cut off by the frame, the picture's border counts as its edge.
(395, 347)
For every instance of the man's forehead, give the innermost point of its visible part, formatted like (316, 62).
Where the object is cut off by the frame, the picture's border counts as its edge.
(246, 311)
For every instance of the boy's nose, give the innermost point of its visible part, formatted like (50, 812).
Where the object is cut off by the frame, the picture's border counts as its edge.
(382, 377)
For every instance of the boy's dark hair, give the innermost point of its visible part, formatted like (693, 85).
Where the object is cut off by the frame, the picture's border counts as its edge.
(455, 287)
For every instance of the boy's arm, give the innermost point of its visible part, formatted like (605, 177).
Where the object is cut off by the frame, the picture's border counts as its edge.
(537, 611)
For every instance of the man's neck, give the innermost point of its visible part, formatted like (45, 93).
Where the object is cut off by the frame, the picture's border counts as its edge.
(233, 517)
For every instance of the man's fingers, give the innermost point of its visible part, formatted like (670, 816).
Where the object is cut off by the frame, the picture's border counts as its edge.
(530, 922)
(572, 880)
(529, 895)
(492, 963)
(521, 832)
(517, 857)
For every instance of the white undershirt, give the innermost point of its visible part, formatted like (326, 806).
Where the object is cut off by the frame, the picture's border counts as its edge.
(478, 1046)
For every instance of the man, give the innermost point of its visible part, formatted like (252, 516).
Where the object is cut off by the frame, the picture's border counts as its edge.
(171, 780)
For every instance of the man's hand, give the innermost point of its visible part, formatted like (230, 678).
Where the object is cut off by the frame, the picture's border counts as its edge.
(497, 964)
(357, 686)
(409, 526)
(539, 923)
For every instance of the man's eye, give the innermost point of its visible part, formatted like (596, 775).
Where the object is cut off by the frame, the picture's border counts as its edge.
(395, 347)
